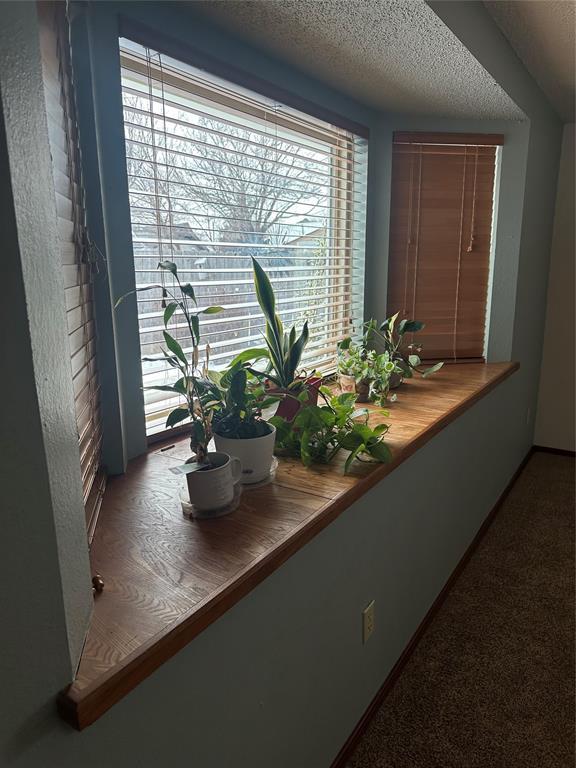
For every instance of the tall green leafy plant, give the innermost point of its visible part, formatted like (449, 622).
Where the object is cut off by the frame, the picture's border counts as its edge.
(283, 349)
(191, 382)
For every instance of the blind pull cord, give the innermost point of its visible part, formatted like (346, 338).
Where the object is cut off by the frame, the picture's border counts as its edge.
(417, 244)
(454, 330)
(473, 217)
(409, 233)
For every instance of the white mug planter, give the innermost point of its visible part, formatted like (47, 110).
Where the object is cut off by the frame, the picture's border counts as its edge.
(212, 490)
(255, 453)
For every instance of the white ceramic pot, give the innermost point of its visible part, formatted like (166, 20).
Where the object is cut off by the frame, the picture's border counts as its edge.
(255, 454)
(213, 489)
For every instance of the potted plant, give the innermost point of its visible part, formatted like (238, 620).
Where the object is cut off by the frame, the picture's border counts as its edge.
(283, 353)
(407, 359)
(210, 476)
(236, 399)
(363, 370)
(318, 433)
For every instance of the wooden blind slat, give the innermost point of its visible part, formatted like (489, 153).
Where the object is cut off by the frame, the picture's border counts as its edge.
(76, 273)
(447, 138)
(440, 238)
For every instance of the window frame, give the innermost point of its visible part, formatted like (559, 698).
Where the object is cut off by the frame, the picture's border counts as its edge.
(343, 190)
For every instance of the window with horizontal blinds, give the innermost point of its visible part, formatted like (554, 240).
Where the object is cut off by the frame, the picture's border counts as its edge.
(440, 238)
(218, 174)
(75, 261)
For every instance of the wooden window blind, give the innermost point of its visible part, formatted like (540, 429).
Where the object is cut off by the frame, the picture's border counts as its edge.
(76, 260)
(218, 173)
(440, 238)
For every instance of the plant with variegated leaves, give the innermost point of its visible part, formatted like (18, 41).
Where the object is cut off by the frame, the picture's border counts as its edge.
(190, 384)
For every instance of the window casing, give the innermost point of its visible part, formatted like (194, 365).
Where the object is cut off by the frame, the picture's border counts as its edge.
(218, 174)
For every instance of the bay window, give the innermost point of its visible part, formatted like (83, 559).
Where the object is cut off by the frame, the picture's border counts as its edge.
(218, 174)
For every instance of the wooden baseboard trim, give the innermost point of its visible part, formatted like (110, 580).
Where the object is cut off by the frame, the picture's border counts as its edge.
(556, 451)
(350, 744)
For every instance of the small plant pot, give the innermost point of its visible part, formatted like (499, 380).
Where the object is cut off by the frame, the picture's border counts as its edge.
(349, 384)
(395, 380)
(289, 406)
(212, 489)
(255, 454)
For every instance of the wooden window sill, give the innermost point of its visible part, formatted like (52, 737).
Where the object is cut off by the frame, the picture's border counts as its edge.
(167, 578)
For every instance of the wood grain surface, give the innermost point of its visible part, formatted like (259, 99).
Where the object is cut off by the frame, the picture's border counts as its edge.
(167, 578)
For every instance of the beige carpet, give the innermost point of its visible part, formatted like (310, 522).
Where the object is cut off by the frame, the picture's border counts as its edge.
(491, 683)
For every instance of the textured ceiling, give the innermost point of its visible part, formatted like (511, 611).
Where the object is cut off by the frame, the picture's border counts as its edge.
(542, 32)
(392, 54)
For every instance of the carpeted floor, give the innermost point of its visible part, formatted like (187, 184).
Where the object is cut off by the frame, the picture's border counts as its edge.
(491, 683)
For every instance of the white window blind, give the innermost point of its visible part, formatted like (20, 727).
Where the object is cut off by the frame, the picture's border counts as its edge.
(76, 261)
(218, 174)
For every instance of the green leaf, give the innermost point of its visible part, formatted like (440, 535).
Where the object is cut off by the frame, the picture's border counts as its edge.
(380, 452)
(264, 292)
(430, 371)
(305, 448)
(268, 401)
(414, 360)
(413, 326)
(180, 387)
(353, 455)
(169, 311)
(187, 290)
(212, 310)
(175, 347)
(297, 349)
(169, 266)
(164, 388)
(248, 355)
(364, 431)
(238, 387)
(195, 323)
(351, 440)
(136, 290)
(177, 415)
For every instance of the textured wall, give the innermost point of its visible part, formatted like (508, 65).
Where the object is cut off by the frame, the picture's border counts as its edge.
(542, 32)
(40, 316)
(46, 597)
(394, 54)
(556, 415)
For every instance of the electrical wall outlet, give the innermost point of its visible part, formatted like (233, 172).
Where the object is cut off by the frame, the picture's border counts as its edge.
(367, 621)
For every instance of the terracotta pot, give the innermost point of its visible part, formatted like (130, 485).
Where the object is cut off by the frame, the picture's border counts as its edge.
(289, 406)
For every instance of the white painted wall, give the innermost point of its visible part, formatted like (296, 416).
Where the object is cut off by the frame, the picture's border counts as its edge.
(556, 400)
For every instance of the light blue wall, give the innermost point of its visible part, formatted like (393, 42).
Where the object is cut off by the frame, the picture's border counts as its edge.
(281, 679)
